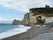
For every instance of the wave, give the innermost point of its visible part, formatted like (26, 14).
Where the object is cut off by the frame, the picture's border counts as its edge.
(14, 31)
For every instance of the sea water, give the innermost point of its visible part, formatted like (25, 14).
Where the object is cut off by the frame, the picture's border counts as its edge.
(6, 27)
(7, 30)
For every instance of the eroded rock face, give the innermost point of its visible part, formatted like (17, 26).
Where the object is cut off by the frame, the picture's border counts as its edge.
(26, 19)
(29, 19)
(36, 15)
(38, 19)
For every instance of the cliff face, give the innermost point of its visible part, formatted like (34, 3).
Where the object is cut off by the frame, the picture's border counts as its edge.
(35, 15)
(26, 19)
(29, 19)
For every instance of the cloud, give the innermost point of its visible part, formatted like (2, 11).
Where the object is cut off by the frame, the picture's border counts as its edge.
(21, 5)
(11, 19)
(24, 5)
(5, 19)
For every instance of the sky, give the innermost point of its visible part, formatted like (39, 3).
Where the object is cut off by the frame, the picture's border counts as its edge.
(15, 9)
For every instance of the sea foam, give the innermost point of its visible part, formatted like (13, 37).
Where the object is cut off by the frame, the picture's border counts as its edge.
(14, 31)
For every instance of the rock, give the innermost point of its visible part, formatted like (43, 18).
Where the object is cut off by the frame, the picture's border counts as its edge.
(26, 19)
(16, 22)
